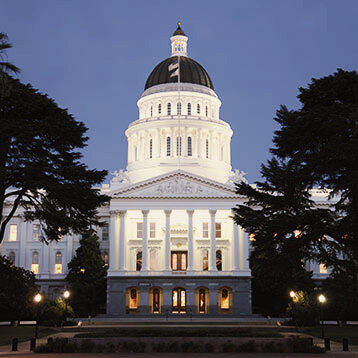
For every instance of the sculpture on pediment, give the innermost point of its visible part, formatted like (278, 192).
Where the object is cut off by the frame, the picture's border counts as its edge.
(120, 177)
(179, 186)
(237, 177)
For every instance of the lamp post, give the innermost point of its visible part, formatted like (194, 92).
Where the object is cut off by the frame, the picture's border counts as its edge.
(293, 296)
(37, 300)
(66, 295)
(322, 299)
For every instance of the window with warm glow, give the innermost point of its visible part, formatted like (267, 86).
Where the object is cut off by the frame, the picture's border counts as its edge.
(205, 230)
(156, 301)
(225, 304)
(105, 257)
(219, 261)
(322, 268)
(152, 231)
(139, 230)
(36, 232)
(252, 237)
(138, 261)
(179, 260)
(205, 260)
(58, 263)
(13, 233)
(201, 300)
(35, 262)
(218, 230)
(133, 301)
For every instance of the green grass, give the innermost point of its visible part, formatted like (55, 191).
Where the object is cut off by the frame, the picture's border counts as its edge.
(335, 333)
(23, 333)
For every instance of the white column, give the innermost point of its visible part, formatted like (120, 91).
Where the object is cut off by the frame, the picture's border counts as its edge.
(45, 260)
(199, 143)
(145, 241)
(167, 240)
(190, 240)
(244, 250)
(122, 241)
(112, 240)
(159, 143)
(22, 237)
(235, 247)
(212, 241)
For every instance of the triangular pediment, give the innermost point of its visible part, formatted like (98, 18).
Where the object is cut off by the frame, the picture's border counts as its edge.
(177, 184)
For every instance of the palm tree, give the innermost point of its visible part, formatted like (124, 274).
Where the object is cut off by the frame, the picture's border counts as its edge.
(5, 66)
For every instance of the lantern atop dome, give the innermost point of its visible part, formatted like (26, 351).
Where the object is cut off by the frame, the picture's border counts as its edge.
(179, 42)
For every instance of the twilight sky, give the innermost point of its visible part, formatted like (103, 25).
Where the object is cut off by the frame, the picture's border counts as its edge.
(93, 57)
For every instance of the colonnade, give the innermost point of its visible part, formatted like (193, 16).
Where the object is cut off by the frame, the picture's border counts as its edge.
(117, 241)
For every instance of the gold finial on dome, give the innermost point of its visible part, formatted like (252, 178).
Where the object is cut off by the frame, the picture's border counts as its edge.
(178, 23)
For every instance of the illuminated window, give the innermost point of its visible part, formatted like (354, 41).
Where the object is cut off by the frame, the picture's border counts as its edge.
(11, 257)
(225, 303)
(252, 237)
(133, 300)
(156, 301)
(218, 230)
(168, 147)
(178, 145)
(105, 232)
(13, 233)
(151, 148)
(178, 108)
(105, 257)
(58, 262)
(219, 261)
(169, 109)
(207, 148)
(60, 236)
(139, 230)
(153, 259)
(201, 300)
(198, 108)
(205, 230)
(179, 300)
(179, 260)
(138, 261)
(205, 260)
(190, 150)
(35, 262)
(322, 268)
(189, 109)
(36, 232)
(159, 108)
(152, 231)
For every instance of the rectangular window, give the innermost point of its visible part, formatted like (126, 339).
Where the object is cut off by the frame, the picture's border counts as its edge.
(13, 233)
(36, 232)
(58, 268)
(205, 260)
(35, 268)
(179, 260)
(322, 268)
(152, 230)
(205, 230)
(105, 232)
(139, 230)
(218, 230)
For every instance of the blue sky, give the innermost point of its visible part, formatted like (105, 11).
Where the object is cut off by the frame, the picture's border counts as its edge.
(93, 57)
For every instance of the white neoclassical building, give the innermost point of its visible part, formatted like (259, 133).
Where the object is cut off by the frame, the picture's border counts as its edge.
(169, 238)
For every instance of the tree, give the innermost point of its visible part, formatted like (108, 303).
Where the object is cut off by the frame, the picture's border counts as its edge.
(87, 277)
(18, 289)
(5, 66)
(40, 164)
(315, 146)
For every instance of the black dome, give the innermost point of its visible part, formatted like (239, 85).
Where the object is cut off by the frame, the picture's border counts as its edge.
(190, 72)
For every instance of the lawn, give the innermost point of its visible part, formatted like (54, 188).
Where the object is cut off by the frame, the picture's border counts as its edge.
(23, 333)
(335, 333)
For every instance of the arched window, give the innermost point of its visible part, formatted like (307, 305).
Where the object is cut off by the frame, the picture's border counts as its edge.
(198, 108)
(133, 300)
(168, 147)
(207, 148)
(151, 111)
(105, 258)
(189, 109)
(205, 260)
(169, 109)
(11, 257)
(219, 260)
(58, 262)
(35, 262)
(202, 301)
(190, 150)
(156, 301)
(178, 146)
(178, 108)
(159, 108)
(206, 111)
(151, 148)
(138, 261)
(225, 300)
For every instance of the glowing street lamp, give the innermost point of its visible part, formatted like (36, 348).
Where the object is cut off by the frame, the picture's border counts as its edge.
(293, 295)
(322, 299)
(66, 295)
(37, 300)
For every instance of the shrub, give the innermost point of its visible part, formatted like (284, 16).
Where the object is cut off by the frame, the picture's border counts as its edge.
(208, 348)
(173, 347)
(87, 346)
(100, 348)
(246, 347)
(110, 347)
(228, 347)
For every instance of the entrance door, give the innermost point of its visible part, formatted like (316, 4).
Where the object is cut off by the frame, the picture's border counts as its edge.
(179, 260)
(156, 302)
(179, 300)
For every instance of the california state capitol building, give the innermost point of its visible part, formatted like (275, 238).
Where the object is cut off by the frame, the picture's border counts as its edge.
(169, 240)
